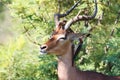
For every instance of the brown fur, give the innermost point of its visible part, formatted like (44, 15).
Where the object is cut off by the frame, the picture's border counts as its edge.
(66, 71)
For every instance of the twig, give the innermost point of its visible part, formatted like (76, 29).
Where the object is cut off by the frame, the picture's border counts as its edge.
(112, 32)
(28, 37)
(59, 6)
(117, 18)
(30, 21)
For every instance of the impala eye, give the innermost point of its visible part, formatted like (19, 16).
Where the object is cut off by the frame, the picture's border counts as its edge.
(62, 39)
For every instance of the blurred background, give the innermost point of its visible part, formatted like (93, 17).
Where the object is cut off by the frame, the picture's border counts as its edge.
(24, 25)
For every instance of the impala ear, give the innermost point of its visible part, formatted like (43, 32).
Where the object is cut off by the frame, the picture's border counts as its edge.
(75, 36)
(61, 24)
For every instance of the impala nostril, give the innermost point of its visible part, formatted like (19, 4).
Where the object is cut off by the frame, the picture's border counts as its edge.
(43, 47)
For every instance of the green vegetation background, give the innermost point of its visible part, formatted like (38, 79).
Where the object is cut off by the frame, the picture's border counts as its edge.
(24, 22)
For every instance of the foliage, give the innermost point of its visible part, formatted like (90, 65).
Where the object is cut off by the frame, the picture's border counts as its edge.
(18, 62)
(100, 52)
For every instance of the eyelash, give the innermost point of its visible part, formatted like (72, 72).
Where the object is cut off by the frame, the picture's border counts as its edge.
(62, 38)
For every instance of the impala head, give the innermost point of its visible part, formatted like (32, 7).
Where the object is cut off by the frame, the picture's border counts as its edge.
(59, 41)
(63, 36)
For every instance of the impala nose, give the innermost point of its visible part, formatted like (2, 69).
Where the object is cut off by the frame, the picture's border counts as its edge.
(43, 48)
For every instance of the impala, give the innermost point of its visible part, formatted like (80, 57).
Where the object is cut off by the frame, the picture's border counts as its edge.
(61, 44)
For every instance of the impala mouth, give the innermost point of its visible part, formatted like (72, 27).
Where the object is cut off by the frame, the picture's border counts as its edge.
(43, 49)
(43, 52)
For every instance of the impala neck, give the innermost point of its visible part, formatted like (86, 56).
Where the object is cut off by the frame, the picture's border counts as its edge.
(65, 64)
(66, 59)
